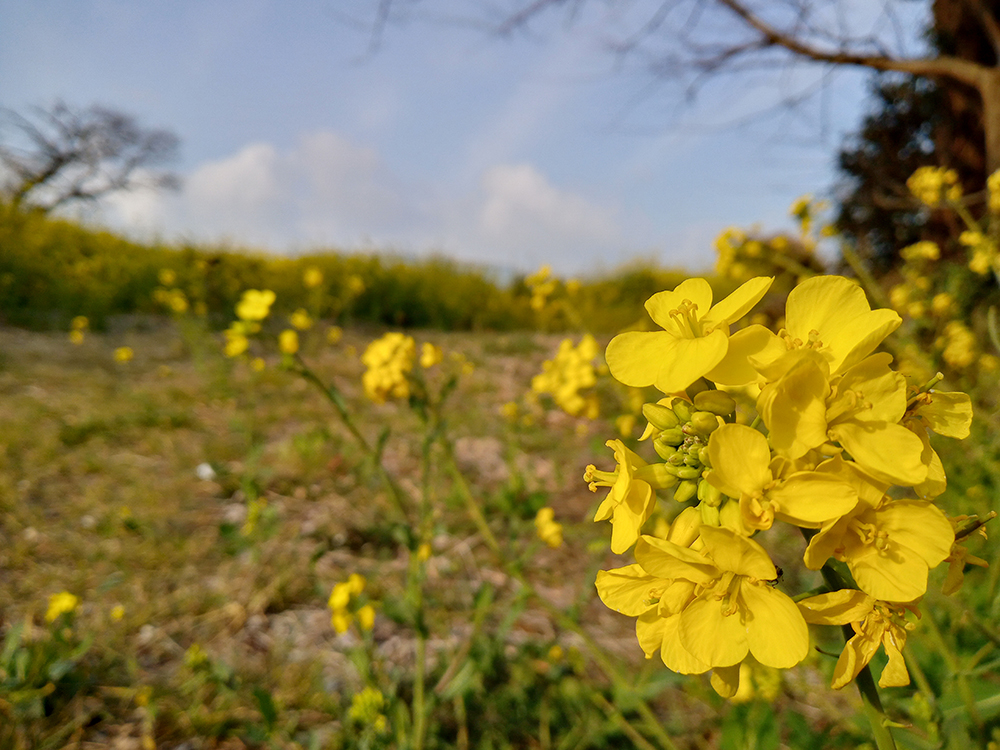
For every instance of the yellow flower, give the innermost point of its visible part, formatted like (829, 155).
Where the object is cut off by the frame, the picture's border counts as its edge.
(630, 501)
(366, 617)
(921, 251)
(117, 612)
(60, 604)
(959, 345)
(288, 341)
(804, 408)
(694, 341)
(943, 305)
(301, 320)
(549, 530)
(707, 610)
(424, 552)
(255, 305)
(430, 355)
(257, 364)
(236, 342)
(366, 709)
(124, 354)
(889, 547)
(355, 285)
(569, 372)
(76, 337)
(875, 623)
(389, 361)
(167, 276)
(742, 468)
(334, 335)
(831, 315)
(934, 185)
(312, 277)
(80, 323)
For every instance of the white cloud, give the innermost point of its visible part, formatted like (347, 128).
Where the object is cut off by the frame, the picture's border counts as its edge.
(329, 191)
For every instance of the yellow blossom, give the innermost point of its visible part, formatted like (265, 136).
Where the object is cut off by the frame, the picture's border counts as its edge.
(124, 354)
(255, 305)
(549, 530)
(76, 337)
(630, 501)
(424, 552)
(288, 341)
(921, 251)
(889, 547)
(60, 604)
(389, 361)
(430, 355)
(959, 345)
(312, 277)
(943, 305)
(366, 617)
(334, 335)
(993, 186)
(742, 468)
(301, 320)
(709, 609)
(874, 622)
(257, 364)
(167, 276)
(80, 323)
(366, 709)
(236, 341)
(934, 185)
(568, 373)
(509, 411)
(694, 341)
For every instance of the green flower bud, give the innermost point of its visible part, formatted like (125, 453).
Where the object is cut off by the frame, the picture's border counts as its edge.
(708, 494)
(689, 472)
(709, 515)
(682, 409)
(691, 459)
(704, 423)
(685, 491)
(717, 402)
(672, 469)
(663, 450)
(673, 436)
(703, 456)
(661, 417)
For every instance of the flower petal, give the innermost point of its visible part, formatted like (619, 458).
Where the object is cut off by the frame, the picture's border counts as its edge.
(949, 414)
(794, 409)
(689, 359)
(672, 652)
(717, 639)
(627, 590)
(888, 451)
(808, 498)
(836, 607)
(753, 341)
(635, 357)
(919, 527)
(739, 303)
(740, 458)
(726, 680)
(665, 559)
(743, 556)
(776, 631)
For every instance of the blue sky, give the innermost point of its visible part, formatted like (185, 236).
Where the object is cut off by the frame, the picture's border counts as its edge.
(505, 151)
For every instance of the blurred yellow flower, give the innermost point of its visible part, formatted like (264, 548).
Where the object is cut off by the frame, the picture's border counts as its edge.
(934, 185)
(167, 276)
(60, 604)
(549, 530)
(80, 323)
(366, 617)
(301, 320)
(366, 709)
(921, 251)
(355, 285)
(959, 345)
(569, 372)
(312, 277)
(76, 337)
(334, 335)
(993, 186)
(117, 612)
(257, 364)
(389, 361)
(255, 305)
(430, 355)
(124, 354)
(288, 341)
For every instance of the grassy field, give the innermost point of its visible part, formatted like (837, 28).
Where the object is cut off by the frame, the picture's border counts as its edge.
(202, 511)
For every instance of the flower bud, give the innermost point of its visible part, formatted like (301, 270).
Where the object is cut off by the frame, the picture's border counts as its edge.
(663, 450)
(717, 402)
(685, 491)
(708, 494)
(661, 417)
(684, 529)
(689, 472)
(673, 436)
(682, 409)
(704, 423)
(709, 515)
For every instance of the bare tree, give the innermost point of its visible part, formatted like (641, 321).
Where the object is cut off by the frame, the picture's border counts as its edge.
(59, 155)
(695, 40)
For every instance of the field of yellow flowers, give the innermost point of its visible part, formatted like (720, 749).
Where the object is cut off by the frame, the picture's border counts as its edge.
(264, 518)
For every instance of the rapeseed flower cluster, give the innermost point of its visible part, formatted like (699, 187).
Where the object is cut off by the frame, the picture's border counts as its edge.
(78, 329)
(549, 530)
(567, 374)
(342, 597)
(61, 604)
(542, 285)
(254, 306)
(933, 186)
(389, 361)
(836, 429)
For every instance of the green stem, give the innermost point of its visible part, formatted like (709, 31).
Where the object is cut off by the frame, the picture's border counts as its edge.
(866, 683)
(470, 501)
